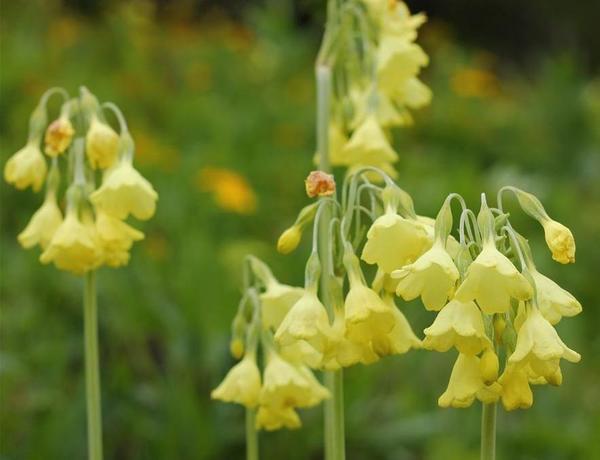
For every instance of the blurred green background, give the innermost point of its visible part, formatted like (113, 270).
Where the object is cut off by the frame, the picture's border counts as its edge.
(220, 100)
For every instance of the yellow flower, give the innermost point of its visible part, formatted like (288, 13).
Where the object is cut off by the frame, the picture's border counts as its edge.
(26, 167)
(337, 140)
(492, 280)
(101, 144)
(289, 239)
(398, 21)
(553, 301)
(539, 346)
(116, 238)
(452, 246)
(73, 247)
(275, 418)
(241, 384)
(397, 61)
(124, 191)
(516, 393)
(393, 242)
(43, 224)
(386, 112)
(560, 241)
(231, 191)
(412, 93)
(458, 324)
(400, 339)
(58, 136)
(367, 316)
(432, 276)
(466, 383)
(276, 302)
(290, 385)
(368, 145)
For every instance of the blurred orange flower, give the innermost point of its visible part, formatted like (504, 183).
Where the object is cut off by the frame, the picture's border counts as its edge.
(231, 191)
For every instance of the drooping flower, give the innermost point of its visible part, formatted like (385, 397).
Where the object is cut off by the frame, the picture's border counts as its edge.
(397, 61)
(241, 384)
(393, 242)
(368, 145)
(412, 93)
(274, 418)
(553, 301)
(101, 144)
(400, 339)
(539, 346)
(432, 276)
(27, 167)
(492, 280)
(43, 224)
(58, 136)
(560, 241)
(116, 238)
(124, 191)
(516, 393)
(276, 302)
(466, 383)
(458, 324)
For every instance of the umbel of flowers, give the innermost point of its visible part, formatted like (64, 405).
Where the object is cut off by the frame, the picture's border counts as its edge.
(91, 188)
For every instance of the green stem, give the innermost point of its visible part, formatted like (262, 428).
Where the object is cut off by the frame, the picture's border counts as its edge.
(92, 373)
(251, 435)
(488, 431)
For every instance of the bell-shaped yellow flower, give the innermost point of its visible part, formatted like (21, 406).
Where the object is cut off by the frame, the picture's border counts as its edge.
(412, 93)
(124, 191)
(73, 247)
(432, 276)
(539, 346)
(516, 393)
(274, 418)
(241, 384)
(553, 301)
(368, 145)
(289, 385)
(560, 241)
(43, 224)
(101, 144)
(27, 167)
(393, 242)
(458, 324)
(397, 20)
(400, 339)
(276, 302)
(397, 61)
(385, 109)
(466, 383)
(116, 238)
(492, 280)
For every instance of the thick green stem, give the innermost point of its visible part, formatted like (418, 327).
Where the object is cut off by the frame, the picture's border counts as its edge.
(251, 435)
(92, 372)
(488, 431)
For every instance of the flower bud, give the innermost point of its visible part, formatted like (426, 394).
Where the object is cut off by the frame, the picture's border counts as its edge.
(560, 241)
(58, 136)
(319, 183)
(499, 326)
(236, 347)
(289, 239)
(489, 366)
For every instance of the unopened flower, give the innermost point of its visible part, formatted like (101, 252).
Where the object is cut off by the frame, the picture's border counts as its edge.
(58, 136)
(237, 348)
(466, 383)
(432, 276)
(27, 167)
(458, 324)
(43, 224)
(241, 384)
(276, 301)
(553, 301)
(368, 145)
(492, 280)
(274, 418)
(319, 183)
(489, 366)
(101, 144)
(124, 191)
(560, 241)
(289, 239)
(73, 247)
(516, 392)
(116, 238)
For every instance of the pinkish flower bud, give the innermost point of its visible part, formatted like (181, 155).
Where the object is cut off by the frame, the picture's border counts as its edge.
(319, 183)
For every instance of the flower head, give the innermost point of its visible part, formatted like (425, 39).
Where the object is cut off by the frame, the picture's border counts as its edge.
(516, 393)
(116, 238)
(560, 241)
(276, 301)
(58, 136)
(368, 317)
(553, 301)
(368, 145)
(241, 384)
(101, 144)
(27, 167)
(43, 224)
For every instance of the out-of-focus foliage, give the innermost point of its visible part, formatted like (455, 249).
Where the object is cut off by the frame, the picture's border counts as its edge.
(223, 109)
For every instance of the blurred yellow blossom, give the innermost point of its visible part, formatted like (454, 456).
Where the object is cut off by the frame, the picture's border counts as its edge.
(473, 82)
(231, 191)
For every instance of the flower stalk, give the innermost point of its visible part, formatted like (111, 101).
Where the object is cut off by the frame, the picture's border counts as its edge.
(251, 435)
(488, 431)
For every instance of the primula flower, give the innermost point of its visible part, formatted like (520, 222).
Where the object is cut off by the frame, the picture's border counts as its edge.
(398, 21)
(124, 191)
(58, 136)
(368, 145)
(412, 93)
(241, 384)
(539, 346)
(466, 383)
(458, 324)
(43, 224)
(367, 316)
(73, 247)
(516, 393)
(116, 238)
(274, 418)
(492, 280)
(553, 301)
(397, 61)
(432, 276)
(289, 385)
(27, 167)
(560, 241)
(101, 144)
(400, 339)
(276, 301)
(393, 242)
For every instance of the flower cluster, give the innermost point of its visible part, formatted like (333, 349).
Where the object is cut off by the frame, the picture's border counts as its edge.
(375, 81)
(93, 231)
